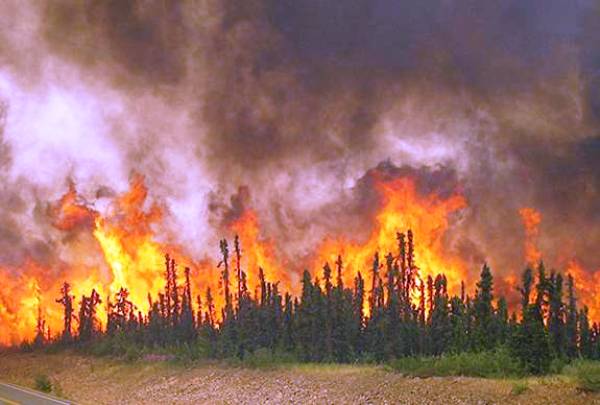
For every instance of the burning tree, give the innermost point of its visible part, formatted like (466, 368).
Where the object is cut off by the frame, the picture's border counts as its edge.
(87, 316)
(403, 313)
(66, 300)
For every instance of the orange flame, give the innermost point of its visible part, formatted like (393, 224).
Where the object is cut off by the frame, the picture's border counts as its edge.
(402, 209)
(587, 287)
(531, 219)
(70, 212)
(257, 253)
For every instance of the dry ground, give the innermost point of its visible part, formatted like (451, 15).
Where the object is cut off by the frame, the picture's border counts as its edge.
(89, 380)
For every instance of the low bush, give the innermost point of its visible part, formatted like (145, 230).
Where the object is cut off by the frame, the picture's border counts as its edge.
(557, 365)
(492, 364)
(190, 352)
(586, 374)
(519, 387)
(265, 358)
(118, 345)
(42, 383)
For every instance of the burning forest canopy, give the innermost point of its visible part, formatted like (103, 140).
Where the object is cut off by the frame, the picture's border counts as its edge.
(311, 130)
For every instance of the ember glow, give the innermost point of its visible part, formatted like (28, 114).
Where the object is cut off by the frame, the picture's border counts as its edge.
(133, 130)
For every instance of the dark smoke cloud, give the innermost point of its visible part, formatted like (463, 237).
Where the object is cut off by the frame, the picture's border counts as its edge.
(146, 39)
(239, 202)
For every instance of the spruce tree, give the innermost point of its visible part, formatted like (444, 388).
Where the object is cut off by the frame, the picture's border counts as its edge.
(358, 304)
(458, 324)
(530, 342)
(484, 312)
(556, 324)
(66, 300)
(571, 322)
(585, 343)
(393, 342)
(440, 326)
(307, 312)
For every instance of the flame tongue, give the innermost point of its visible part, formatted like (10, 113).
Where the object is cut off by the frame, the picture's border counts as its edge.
(587, 286)
(531, 220)
(402, 209)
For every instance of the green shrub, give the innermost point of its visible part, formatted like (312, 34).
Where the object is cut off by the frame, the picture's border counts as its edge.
(586, 374)
(132, 353)
(265, 358)
(42, 383)
(557, 365)
(190, 352)
(118, 345)
(102, 347)
(519, 387)
(491, 364)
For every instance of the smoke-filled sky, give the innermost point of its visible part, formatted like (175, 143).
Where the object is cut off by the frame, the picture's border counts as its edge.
(285, 105)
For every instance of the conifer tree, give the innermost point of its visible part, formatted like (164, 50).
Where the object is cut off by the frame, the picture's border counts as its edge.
(288, 324)
(238, 267)
(168, 308)
(484, 311)
(571, 322)
(440, 326)
(358, 302)
(307, 312)
(402, 276)
(541, 299)
(228, 310)
(40, 336)
(87, 316)
(66, 300)
(187, 329)
(458, 323)
(174, 295)
(530, 343)
(585, 343)
(210, 312)
(342, 317)
(429, 297)
(393, 342)
(525, 290)
(556, 325)
(502, 327)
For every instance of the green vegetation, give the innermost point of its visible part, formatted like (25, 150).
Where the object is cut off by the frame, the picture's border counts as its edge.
(586, 374)
(42, 383)
(266, 359)
(519, 387)
(489, 364)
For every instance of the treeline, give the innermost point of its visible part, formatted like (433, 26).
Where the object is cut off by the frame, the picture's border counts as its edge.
(328, 321)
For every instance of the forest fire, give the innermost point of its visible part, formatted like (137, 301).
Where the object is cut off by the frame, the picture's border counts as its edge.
(412, 184)
(132, 257)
